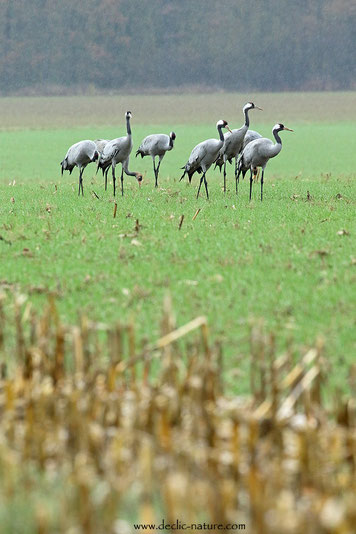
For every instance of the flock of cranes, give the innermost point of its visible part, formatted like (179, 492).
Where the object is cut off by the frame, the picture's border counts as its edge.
(248, 148)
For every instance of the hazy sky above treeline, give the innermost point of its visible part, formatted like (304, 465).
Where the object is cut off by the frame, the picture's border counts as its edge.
(263, 45)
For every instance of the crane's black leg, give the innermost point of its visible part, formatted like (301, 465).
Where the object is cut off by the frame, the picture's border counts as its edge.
(81, 182)
(263, 171)
(201, 181)
(106, 177)
(113, 178)
(225, 176)
(237, 176)
(157, 171)
(206, 187)
(250, 184)
(122, 181)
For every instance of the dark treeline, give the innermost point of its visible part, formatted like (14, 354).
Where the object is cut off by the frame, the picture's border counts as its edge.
(136, 44)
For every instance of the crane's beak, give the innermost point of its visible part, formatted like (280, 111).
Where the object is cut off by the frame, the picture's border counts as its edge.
(256, 107)
(289, 130)
(228, 129)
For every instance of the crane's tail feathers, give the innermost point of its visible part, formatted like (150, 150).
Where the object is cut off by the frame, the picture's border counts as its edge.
(98, 166)
(218, 164)
(184, 173)
(64, 165)
(139, 152)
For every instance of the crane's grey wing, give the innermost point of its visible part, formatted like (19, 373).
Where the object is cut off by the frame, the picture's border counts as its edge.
(100, 144)
(197, 154)
(146, 144)
(81, 152)
(251, 135)
(247, 154)
(154, 143)
(257, 152)
(111, 150)
(263, 146)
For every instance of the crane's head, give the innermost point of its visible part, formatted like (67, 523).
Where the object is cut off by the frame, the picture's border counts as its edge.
(222, 124)
(139, 178)
(172, 135)
(128, 115)
(251, 105)
(279, 127)
(96, 155)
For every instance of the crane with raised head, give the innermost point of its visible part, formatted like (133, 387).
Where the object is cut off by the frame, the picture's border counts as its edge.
(203, 156)
(156, 145)
(118, 151)
(234, 142)
(257, 153)
(80, 155)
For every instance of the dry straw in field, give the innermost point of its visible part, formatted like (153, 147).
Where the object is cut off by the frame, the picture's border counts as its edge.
(96, 435)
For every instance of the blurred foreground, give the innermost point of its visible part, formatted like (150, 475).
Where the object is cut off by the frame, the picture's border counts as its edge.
(96, 435)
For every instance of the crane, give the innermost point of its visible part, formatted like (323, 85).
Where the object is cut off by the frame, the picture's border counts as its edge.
(234, 142)
(203, 156)
(250, 135)
(118, 151)
(80, 155)
(156, 145)
(257, 154)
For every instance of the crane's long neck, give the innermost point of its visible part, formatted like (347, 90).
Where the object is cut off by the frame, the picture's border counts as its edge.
(128, 126)
(171, 141)
(247, 119)
(125, 166)
(277, 138)
(221, 135)
(275, 149)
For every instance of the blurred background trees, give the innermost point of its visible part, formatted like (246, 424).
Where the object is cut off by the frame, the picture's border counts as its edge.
(51, 46)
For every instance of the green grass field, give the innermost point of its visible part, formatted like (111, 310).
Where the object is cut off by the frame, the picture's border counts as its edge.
(290, 260)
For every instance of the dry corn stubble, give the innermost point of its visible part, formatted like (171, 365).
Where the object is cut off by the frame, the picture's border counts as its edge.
(82, 406)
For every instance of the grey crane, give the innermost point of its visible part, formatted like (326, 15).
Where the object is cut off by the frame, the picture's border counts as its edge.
(80, 155)
(100, 145)
(156, 145)
(203, 156)
(234, 142)
(118, 151)
(257, 154)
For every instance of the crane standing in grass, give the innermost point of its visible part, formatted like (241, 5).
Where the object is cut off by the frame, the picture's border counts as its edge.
(234, 142)
(204, 155)
(156, 145)
(118, 151)
(80, 155)
(257, 154)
